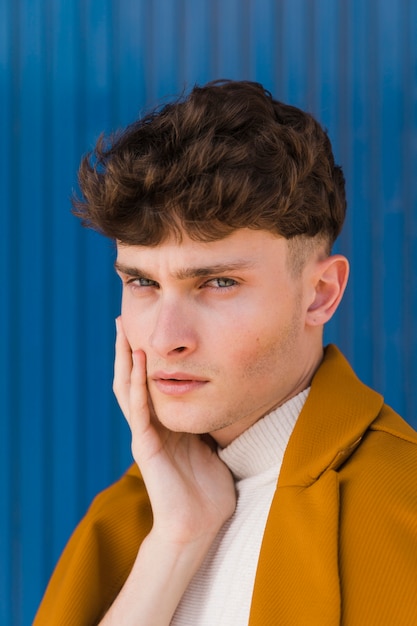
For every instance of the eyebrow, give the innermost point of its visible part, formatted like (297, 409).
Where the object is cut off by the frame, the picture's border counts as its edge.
(190, 272)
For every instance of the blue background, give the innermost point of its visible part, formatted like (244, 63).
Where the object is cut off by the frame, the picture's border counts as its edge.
(70, 69)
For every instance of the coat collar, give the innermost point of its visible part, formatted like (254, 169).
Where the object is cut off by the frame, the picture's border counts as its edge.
(338, 411)
(297, 580)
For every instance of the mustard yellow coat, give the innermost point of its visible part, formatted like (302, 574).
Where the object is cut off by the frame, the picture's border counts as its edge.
(340, 544)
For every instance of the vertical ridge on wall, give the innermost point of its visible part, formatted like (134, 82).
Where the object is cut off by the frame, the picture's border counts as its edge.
(364, 149)
(66, 102)
(48, 381)
(8, 429)
(70, 70)
(264, 17)
(13, 236)
(409, 200)
(30, 337)
(389, 39)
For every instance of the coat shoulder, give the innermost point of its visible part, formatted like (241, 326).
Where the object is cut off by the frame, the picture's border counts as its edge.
(99, 555)
(378, 524)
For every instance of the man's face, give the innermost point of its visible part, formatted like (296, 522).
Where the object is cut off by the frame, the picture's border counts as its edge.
(223, 328)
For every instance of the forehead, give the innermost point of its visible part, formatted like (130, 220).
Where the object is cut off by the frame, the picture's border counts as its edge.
(244, 247)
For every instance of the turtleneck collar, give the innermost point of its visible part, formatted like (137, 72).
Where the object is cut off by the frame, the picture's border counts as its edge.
(262, 446)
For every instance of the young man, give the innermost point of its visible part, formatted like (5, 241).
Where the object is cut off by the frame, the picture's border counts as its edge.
(270, 487)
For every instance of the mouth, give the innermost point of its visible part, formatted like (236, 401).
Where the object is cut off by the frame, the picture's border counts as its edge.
(177, 383)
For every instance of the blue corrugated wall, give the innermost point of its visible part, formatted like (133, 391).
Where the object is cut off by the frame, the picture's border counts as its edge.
(72, 68)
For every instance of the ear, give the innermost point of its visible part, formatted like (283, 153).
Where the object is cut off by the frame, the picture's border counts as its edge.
(329, 280)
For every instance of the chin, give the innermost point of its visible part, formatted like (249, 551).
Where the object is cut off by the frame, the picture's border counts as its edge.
(180, 422)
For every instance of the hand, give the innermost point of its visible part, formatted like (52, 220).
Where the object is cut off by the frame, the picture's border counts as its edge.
(191, 491)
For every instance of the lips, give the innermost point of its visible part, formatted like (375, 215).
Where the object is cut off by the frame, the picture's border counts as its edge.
(177, 383)
(176, 376)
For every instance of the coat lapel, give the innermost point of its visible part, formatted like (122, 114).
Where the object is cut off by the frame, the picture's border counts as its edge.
(297, 581)
(298, 578)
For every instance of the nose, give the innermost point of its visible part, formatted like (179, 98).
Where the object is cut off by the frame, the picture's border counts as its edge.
(173, 331)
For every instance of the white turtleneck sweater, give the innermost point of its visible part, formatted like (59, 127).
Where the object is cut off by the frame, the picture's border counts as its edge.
(221, 591)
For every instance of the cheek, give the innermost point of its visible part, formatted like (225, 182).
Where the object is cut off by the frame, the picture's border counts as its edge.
(133, 325)
(268, 353)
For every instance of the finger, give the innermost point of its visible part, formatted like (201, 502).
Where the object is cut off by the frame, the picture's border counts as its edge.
(145, 440)
(122, 369)
(138, 397)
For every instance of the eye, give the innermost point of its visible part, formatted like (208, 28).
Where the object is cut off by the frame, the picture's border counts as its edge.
(141, 282)
(221, 283)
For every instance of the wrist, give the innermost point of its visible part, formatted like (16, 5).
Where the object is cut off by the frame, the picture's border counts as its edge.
(179, 547)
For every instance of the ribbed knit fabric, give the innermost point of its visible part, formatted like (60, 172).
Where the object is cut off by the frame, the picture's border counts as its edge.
(221, 591)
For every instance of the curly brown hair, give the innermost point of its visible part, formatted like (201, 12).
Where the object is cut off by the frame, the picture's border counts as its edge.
(226, 156)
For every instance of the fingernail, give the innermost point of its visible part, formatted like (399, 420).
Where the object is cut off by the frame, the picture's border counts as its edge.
(117, 324)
